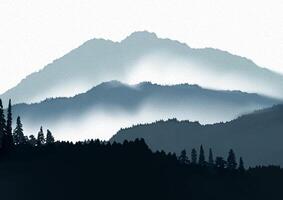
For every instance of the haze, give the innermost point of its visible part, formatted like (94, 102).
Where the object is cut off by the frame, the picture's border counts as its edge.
(96, 123)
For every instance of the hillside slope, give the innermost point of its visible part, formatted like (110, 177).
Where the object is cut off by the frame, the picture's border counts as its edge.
(257, 137)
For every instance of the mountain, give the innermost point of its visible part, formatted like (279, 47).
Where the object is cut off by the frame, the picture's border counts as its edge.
(103, 110)
(143, 56)
(257, 137)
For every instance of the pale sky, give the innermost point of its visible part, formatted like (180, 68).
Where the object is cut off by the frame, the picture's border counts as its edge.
(35, 32)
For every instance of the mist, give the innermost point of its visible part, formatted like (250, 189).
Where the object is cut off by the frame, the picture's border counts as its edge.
(102, 123)
(143, 56)
(165, 69)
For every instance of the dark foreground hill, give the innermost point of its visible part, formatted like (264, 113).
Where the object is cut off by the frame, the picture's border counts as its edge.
(97, 170)
(257, 137)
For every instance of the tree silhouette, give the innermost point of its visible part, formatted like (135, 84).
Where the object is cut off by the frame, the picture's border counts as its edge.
(241, 165)
(18, 134)
(194, 156)
(49, 137)
(32, 140)
(231, 160)
(40, 137)
(201, 160)
(126, 168)
(220, 162)
(210, 158)
(2, 124)
(8, 139)
(183, 157)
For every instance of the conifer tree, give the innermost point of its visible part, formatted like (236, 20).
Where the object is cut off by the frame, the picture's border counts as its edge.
(49, 137)
(201, 160)
(8, 139)
(231, 160)
(40, 137)
(220, 162)
(241, 165)
(210, 158)
(183, 157)
(32, 140)
(2, 124)
(18, 134)
(194, 156)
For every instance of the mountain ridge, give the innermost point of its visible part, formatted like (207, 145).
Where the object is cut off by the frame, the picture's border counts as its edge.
(114, 83)
(123, 105)
(256, 136)
(100, 60)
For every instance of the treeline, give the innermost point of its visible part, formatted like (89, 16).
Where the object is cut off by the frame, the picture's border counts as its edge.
(219, 162)
(40, 168)
(130, 170)
(10, 138)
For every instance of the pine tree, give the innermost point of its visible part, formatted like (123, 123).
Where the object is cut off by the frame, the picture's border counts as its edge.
(241, 165)
(32, 141)
(2, 124)
(8, 139)
(220, 162)
(194, 156)
(201, 160)
(183, 157)
(231, 160)
(49, 137)
(40, 137)
(210, 158)
(18, 134)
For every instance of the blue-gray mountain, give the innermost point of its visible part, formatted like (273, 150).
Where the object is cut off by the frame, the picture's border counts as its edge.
(106, 108)
(144, 57)
(257, 137)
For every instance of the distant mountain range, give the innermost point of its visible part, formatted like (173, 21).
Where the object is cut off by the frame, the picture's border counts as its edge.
(103, 110)
(144, 57)
(257, 137)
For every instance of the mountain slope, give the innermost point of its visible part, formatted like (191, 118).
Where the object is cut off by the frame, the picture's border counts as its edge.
(144, 57)
(257, 137)
(106, 108)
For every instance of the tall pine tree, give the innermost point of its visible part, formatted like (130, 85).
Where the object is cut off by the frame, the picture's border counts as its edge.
(18, 134)
(194, 156)
(49, 137)
(210, 158)
(201, 160)
(2, 124)
(231, 160)
(241, 165)
(40, 137)
(8, 139)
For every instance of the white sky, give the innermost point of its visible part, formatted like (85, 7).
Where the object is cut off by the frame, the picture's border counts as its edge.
(34, 32)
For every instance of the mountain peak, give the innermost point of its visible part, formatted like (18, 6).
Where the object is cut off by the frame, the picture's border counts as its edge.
(110, 84)
(141, 35)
